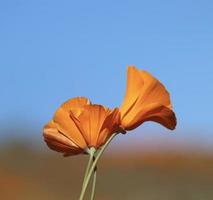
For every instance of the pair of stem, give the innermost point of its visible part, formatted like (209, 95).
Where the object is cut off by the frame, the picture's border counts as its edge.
(92, 168)
(91, 153)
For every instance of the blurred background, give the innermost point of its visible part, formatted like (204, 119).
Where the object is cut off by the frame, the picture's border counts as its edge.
(54, 50)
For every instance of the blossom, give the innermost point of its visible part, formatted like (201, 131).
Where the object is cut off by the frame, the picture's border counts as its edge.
(78, 125)
(146, 99)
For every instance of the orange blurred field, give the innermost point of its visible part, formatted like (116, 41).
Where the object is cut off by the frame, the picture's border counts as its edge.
(28, 174)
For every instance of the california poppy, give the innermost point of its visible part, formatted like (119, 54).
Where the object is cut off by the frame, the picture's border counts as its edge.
(78, 125)
(146, 99)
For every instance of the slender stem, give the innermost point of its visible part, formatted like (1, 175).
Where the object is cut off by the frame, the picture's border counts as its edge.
(91, 154)
(94, 181)
(94, 165)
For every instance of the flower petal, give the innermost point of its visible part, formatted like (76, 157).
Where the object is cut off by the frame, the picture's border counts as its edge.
(67, 126)
(58, 142)
(97, 123)
(110, 126)
(75, 105)
(51, 133)
(90, 121)
(145, 94)
(56, 146)
(153, 112)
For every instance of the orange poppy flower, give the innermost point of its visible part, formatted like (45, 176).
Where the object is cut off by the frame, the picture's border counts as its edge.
(146, 99)
(78, 125)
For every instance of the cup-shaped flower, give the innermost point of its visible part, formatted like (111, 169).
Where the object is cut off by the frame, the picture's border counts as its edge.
(146, 99)
(78, 125)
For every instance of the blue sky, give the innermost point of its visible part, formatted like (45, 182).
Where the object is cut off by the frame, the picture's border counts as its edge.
(53, 50)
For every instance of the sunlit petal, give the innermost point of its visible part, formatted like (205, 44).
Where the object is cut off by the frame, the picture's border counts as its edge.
(66, 125)
(75, 105)
(110, 126)
(146, 99)
(57, 141)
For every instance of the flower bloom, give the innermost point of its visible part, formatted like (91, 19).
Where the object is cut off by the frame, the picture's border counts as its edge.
(78, 125)
(146, 99)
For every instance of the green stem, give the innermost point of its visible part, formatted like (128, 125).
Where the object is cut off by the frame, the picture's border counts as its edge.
(94, 165)
(94, 182)
(91, 155)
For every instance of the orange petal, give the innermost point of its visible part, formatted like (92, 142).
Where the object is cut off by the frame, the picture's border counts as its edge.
(58, 142)
(90, 122)
(110, 126)
(67, 126)
(166, 117)
(56, 146)
(51, 133)
(152, 112)
(145, 97)
(97, 123)
(75, 105)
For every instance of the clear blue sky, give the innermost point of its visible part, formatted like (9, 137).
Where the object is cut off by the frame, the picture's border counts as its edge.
(53, 50)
